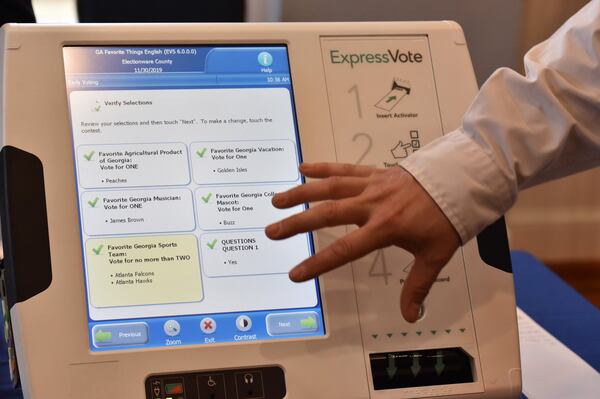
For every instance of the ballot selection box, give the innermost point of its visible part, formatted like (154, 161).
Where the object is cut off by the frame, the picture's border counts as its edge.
(137, 211)
(244, 161)
(246, 253)
(132, 165)
(239, 207)
(126, 271)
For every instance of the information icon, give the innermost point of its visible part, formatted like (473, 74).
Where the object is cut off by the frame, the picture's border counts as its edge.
(265, 59)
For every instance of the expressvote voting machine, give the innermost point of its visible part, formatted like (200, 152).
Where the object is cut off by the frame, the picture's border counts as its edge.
(137, 170)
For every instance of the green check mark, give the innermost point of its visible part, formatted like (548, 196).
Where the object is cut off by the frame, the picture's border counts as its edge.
(201, 152)
(212, 244)
(93, 202)
(98, 249)
(89, 155)
(206, 198)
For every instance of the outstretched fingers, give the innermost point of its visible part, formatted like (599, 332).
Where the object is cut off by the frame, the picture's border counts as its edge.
(352, 246)
(331, 188)
(328, 169)
(327, 214)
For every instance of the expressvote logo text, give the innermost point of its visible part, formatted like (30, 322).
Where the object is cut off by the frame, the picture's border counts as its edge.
(395, 56)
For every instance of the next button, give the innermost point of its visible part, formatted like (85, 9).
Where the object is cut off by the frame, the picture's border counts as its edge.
(292, 323)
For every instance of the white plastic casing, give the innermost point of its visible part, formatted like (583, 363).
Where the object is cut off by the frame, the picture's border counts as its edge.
(337, 107)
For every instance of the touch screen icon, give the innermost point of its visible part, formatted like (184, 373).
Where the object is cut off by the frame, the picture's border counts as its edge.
(103, 336)
(208, 325)
(309, 323)
(243, 323)
(172, 328)
(403, 150)
(265, 59)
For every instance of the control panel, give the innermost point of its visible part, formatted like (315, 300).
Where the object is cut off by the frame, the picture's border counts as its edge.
(384, 107)
(255, 383)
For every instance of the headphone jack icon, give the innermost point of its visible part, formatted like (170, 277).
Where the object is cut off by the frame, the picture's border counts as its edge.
(248, 378)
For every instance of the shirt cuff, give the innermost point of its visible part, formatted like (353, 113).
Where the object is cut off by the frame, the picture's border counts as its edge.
(464, 181)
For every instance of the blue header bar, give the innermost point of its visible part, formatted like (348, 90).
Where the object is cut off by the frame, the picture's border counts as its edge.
(247, 60)
(171, 59)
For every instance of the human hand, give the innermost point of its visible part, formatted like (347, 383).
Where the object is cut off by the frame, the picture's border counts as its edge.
(390, 208)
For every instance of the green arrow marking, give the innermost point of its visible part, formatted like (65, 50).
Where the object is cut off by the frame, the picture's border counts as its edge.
(439, 363)
(309, 322)
(416, 367)
(391, 369)
(390, 99)
(103, 336)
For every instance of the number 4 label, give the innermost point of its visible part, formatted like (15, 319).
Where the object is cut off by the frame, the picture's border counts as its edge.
(379, 267)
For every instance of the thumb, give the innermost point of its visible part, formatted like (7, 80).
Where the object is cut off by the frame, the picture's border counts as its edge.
(417, 286)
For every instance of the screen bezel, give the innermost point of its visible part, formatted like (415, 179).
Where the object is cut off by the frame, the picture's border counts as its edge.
(320, 305)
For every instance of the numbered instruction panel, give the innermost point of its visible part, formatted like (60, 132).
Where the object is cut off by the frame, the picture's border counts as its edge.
(384, 108)
(178, 151)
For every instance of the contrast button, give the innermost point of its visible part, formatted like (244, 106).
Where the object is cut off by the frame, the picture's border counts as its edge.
(243, 323)
(119, 334)
(292, 323)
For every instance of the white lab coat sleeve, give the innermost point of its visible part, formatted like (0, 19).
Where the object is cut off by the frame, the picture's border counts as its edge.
(520, 130)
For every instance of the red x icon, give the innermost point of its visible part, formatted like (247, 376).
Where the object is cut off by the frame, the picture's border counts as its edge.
(208, 325)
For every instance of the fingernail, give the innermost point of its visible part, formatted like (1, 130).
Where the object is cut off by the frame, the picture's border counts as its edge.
(414, 309)
(272, 229)
(297, 273)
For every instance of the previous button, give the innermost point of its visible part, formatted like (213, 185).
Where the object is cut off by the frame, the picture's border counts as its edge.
(119, 334)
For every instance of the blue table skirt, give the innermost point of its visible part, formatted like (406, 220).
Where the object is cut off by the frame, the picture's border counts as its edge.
(540, 293)
(557, 307)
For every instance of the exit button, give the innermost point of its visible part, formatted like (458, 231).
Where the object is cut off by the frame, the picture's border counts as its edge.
(292, 323)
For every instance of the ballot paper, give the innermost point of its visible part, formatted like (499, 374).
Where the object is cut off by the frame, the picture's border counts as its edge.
(550, 369)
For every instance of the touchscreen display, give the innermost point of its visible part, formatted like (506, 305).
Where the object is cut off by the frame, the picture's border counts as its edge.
(178, 151)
